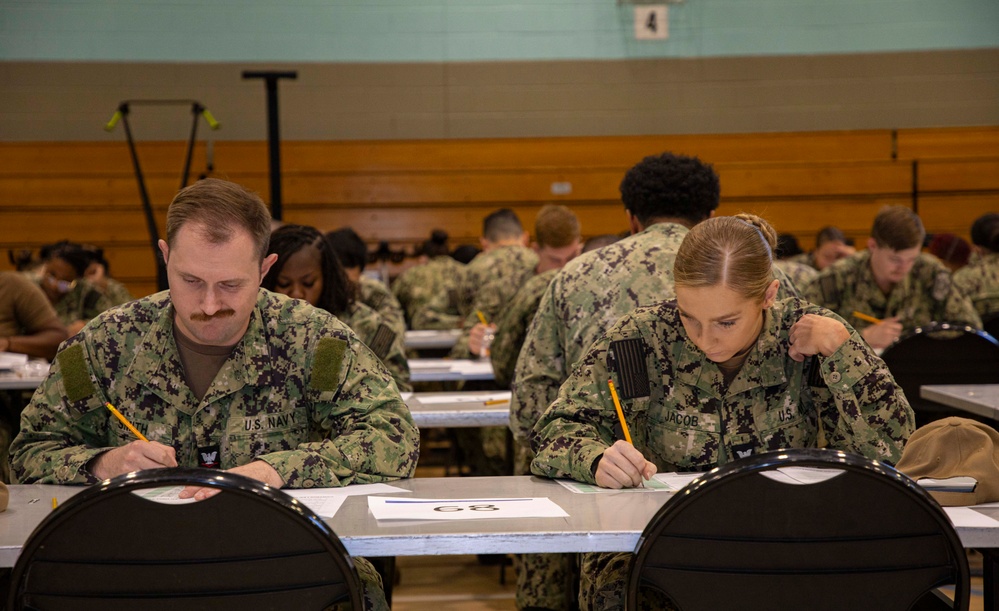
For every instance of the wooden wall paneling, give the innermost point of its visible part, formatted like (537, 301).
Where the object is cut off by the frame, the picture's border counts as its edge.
(959, 175)
(950, 142)
(954, 213)
(98, 158)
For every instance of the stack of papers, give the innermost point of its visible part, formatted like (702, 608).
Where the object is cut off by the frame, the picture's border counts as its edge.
(950, 484)
(12, 361)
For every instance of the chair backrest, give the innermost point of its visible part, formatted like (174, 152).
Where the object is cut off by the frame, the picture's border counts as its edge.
(941, 353)
(866, 538)
(990, 324)
(249, 547)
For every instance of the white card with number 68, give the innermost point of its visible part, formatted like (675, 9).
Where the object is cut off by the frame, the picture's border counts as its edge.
(400, 508)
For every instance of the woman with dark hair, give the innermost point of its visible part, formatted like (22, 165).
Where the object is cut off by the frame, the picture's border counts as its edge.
(63, 280)
(307, 269)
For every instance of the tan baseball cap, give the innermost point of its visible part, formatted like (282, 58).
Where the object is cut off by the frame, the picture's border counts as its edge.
(954, 447)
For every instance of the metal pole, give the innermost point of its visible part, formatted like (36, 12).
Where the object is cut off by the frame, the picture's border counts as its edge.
(273, 132)
(196, 109)
(147, 207)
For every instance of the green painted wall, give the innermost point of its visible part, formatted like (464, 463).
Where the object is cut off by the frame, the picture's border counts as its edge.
(476, 30)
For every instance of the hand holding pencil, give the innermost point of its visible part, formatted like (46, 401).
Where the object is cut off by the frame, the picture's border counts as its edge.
(622, 465)
(135, 456)
(881, 333)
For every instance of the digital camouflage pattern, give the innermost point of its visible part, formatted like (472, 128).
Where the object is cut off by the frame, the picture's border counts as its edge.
(116, 292)
(374, 294)
(417, 287)
(800, 274)
(924, 296)
(688, 420)
(511, 326)
(381, 339)
(489, 283)
(589, 294)
(584, 299)
(319, 425)
(543, 580)
(805, 258)
(979, 281)
(84, 302)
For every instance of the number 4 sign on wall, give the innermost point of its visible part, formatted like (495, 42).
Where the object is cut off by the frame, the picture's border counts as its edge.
(651, 22)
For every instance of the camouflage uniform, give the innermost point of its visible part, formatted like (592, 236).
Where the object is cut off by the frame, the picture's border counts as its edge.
(117, 292)
(805, 258)
(489, 283)
(416, 287)
(924, 296)
(584, 299)
(300, 392)
(381, 339)
(979, 281)
(374, 294)
(683, 417)
(511, 327)
(84, 302)
(799, 273)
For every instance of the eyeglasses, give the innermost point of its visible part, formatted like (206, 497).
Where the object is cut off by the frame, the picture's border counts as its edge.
(63, 286)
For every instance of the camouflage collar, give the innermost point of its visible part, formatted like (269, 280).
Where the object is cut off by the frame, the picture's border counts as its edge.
(668, 229)
(164, 374)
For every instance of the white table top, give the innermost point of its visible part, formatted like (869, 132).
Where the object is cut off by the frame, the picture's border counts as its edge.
(24, 378)
(431, 339)
(978, 399)
(448, 370)
(597, 522)
(459, 409)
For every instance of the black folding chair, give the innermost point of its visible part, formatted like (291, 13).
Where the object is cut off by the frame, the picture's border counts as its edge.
(941, 353)
(990, 324)
(249, 547)
(865, 538)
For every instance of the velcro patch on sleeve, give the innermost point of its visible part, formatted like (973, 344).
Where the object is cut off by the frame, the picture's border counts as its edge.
(327, 364)
(627, 358)
(382, 342)
(75, 378)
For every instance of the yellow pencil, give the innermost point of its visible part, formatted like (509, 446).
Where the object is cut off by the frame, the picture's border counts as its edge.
(620, 412)
(482, 317)
(867, 317)
(55, 502)
(495, 401)
(125, 421)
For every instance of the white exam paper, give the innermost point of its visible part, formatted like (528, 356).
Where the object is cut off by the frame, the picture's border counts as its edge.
(327, 501)
(480, 397)
(324, 501)
(396, 508)
(469, 367)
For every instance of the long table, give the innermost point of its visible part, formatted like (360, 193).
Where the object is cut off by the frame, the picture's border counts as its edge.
(978, 399)
(431, 340)
(449, 370)
(606, 522)
(459, 409)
